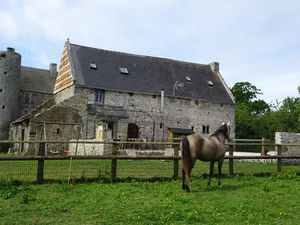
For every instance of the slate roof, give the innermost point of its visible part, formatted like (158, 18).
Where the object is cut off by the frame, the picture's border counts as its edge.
(181, 131)
(147, 74)
(107, 111)
(36, 80)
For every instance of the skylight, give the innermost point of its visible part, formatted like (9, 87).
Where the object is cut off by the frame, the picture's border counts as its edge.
(210, 83)
(124, 70)
(93, 66)
(188, 79)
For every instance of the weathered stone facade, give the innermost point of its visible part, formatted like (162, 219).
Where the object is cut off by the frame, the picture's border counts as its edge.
(103, 95)
(63, 120)
(288, 138)
(22, 89)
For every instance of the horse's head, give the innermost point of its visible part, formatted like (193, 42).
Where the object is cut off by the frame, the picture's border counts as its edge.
(225, 129)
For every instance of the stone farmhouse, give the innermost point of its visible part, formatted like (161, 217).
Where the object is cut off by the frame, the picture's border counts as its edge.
(107, 95)
(21, 89)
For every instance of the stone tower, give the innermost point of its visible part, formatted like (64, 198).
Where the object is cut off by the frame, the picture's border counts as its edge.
(10, 71)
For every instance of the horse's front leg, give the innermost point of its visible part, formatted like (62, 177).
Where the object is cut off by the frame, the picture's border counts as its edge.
(220, 163)
(211, 172)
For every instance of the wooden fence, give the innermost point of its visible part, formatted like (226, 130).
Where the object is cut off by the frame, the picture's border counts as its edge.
(115, 157)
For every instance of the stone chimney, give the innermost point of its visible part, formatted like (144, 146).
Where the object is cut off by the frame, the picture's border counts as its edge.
(214, 66)
(53, 70)
(10, 50)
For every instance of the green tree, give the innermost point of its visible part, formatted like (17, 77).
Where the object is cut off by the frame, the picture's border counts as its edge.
(255, 118)
(248, 110)
(245, 92)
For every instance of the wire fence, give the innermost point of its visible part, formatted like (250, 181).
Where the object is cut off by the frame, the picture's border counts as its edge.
(117, 166)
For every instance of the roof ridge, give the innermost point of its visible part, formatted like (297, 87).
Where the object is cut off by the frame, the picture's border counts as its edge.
(142, 56)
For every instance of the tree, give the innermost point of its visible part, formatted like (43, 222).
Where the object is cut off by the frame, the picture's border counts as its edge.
(245, 92)
(256, 119)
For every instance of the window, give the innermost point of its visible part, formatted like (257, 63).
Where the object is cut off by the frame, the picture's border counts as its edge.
(99, 96)
(188, 79)
(124, 70)
(93, 66)
(3, 106)
(27, 99)
(5, 72)
(210, 83)
(1, 90)
(132, 131)
(58, 131)
(205, 129)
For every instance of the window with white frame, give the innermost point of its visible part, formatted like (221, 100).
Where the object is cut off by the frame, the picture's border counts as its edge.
(99, 96)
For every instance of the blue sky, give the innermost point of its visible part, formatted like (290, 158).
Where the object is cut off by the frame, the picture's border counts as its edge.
(255, 41)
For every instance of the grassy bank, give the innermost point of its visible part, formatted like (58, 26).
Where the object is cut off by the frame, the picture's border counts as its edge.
(247, 198)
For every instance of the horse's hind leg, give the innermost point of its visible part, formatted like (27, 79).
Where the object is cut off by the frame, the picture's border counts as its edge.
(183, 179)
(220, 163)
(186, 174)
(211, 172)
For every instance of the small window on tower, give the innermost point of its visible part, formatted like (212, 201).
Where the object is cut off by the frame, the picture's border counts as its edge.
(1, 90)
(27, 99)
(3, 106)
(5, 72)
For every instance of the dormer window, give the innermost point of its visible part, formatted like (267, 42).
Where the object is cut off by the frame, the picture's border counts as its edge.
(210, 83)
(124, 70)
(93, 66)
(188, 79)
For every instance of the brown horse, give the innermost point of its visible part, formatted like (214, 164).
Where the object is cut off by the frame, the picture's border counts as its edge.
(211, 149)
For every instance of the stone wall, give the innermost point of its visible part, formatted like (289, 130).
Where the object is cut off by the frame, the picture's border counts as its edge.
(144, 110)
(64, 119)
(36, 99)
(288, 138)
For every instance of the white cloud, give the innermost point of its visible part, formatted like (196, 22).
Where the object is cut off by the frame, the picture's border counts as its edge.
(253, 40)
(8, 27)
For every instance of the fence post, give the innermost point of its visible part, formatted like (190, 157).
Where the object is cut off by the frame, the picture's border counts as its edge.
(114, 163)
(231, 146)
(40, 166)
(278, 149)
(176, 161)
(263, 147)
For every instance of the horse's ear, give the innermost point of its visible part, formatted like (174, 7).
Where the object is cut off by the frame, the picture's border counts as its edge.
(223, 123)
(228, 124)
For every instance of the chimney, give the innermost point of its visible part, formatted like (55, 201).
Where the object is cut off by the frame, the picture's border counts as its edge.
(53, 70)
(214, 66)
(10, 50)
(162, 95)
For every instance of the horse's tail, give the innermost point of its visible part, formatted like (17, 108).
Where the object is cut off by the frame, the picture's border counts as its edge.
(185, 149)
(186, 162)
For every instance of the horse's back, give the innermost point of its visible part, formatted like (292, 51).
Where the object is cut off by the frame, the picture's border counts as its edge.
(203, 148)
(196, 143)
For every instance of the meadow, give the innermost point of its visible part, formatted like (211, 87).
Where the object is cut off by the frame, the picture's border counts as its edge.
(146, 194)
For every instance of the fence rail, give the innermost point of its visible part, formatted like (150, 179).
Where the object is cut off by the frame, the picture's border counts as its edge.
(115, 157)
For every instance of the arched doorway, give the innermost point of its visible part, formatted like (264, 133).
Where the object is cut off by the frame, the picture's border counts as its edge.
(132, 131)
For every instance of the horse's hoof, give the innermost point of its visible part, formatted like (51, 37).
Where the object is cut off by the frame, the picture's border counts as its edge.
(187, 189)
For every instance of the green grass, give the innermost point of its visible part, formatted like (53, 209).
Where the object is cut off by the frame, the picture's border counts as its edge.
(58, 170)
(255, 195)
(242, 200)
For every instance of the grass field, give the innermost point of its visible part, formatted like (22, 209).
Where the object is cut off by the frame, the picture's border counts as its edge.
(255, 195)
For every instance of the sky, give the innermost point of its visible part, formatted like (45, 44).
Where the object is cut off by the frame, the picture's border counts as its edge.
(253, 40)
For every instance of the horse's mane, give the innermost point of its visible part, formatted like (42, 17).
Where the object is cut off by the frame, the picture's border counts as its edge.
(222, 129)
